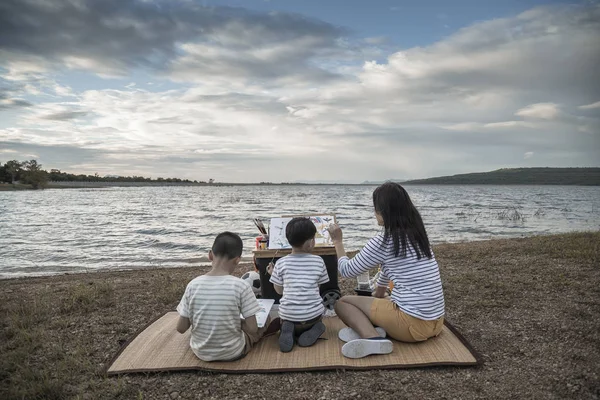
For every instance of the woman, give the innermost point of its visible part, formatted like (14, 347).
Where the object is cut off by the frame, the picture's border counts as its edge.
(415, 311)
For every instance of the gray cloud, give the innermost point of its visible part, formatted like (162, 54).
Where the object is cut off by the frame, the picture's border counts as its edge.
(170, 120)
(8, 90)
(6, 103)
(59, 156)
(242, 102)
(111, 36)
(258, 93)
(64, 115)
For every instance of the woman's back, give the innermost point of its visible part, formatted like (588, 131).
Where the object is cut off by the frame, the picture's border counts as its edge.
(417, 285)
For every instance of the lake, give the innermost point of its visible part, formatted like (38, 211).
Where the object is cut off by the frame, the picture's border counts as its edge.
(71, 230)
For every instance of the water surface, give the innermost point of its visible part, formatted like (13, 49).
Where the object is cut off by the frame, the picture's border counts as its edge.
(67, 230)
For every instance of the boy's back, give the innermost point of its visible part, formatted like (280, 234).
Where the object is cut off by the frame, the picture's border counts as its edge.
(213, 305)
(300, 275)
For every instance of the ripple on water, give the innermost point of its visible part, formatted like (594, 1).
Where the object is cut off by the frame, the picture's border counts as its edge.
(57, 231)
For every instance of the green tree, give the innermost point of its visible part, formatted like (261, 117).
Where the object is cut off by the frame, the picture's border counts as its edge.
(4, 177)
(34, 174)
(13, 168)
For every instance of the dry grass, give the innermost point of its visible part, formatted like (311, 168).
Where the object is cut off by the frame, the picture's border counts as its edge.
(87, 297)
(530, 306)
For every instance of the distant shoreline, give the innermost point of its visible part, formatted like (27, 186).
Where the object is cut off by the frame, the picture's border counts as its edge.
(17, 187)
(10, 188)
(505, 176)
(575, 176)
(519, 176)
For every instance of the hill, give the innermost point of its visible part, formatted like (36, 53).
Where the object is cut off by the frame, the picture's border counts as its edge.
(519, 176)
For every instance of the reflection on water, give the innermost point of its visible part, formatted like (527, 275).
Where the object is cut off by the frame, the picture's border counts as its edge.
(50, 231)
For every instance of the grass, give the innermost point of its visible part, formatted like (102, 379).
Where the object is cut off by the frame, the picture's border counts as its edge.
(87, 297)
(529, 305)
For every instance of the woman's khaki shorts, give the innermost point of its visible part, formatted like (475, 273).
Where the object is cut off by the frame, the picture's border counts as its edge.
(401, 326)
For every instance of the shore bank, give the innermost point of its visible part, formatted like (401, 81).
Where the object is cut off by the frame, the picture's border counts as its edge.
(530, 307)
(7, 187)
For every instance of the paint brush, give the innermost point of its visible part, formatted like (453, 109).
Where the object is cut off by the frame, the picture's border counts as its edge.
(260, 226)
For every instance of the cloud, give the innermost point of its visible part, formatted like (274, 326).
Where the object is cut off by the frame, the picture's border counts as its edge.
(481, 98)
(376, 40)
(6, 104)
(590, 106)
(64, 115)
(506, 55)
(540, 111)
(509, 124)
(475, 126)
(528, 154)
(112, 36)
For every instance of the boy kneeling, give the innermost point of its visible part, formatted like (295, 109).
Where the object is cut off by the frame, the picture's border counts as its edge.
(297, 277)
(212, 305)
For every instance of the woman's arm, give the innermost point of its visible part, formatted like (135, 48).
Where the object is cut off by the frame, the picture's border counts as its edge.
(339, 249)
(380, 292)
(369, 257)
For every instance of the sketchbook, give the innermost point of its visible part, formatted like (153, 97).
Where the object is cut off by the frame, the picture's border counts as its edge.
(265, 309)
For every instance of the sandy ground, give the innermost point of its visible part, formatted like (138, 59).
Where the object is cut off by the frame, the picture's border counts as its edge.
(530, 307)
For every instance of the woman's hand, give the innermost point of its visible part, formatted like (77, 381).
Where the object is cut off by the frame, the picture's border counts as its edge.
(380, 292)
(335, 232)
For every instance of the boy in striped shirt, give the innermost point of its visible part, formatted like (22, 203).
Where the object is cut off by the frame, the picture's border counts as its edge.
(212, 304)
(297, 277)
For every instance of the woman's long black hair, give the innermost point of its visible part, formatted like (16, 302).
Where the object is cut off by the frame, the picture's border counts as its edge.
(401, 220)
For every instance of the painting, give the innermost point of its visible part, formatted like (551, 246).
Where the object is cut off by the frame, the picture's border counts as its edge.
(277, 239)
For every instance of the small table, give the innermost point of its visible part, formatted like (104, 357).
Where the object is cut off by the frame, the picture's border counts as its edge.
(330, 291)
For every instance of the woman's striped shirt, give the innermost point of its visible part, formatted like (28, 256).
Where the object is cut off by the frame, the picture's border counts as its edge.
(417, 285)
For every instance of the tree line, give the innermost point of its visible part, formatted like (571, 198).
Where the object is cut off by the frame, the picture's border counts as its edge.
(31, 173)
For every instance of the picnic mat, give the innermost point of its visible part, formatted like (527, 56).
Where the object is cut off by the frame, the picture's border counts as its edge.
(159, 347)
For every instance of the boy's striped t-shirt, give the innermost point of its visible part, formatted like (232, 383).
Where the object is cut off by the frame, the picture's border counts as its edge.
(214, 304)
(417, 285)
(300, 275)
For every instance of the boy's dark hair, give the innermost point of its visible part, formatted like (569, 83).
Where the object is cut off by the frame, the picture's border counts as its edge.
(227, 244)
(299, 230)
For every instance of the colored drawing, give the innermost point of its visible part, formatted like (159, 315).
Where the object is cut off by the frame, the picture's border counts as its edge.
(277, 239)
(322, 222)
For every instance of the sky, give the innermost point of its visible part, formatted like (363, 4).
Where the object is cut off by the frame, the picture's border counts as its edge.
(312, 91)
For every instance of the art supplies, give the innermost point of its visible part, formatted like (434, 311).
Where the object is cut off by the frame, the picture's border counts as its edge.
(261, 242)
(260, 226)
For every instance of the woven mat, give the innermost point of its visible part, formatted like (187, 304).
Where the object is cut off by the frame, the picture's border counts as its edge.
(159, 347)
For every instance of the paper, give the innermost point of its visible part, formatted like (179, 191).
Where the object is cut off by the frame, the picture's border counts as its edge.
(265, 309)
(263, 313)
(277, 239)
